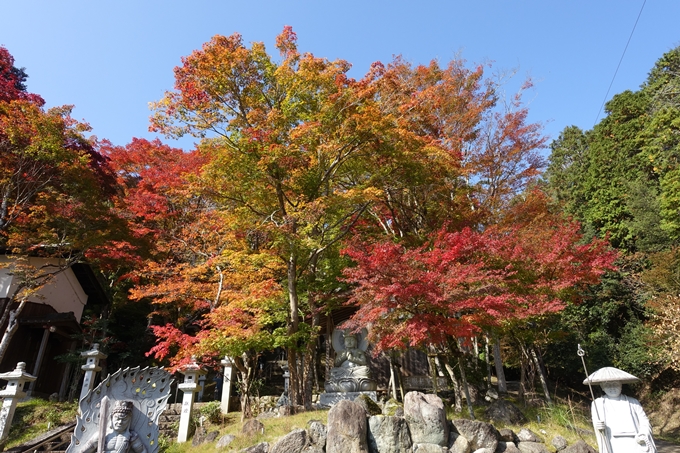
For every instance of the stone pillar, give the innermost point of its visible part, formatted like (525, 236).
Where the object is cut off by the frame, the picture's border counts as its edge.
(228, 378)
(91, 368)
(191, 374)
(11, 396)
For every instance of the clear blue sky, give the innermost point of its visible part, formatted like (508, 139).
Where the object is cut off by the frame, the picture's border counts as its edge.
(111, 58)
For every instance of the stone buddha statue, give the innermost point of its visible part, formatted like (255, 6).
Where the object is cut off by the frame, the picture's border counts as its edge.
(351, 372)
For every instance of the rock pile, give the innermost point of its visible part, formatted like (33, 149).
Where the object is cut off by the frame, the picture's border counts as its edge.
(423, 428)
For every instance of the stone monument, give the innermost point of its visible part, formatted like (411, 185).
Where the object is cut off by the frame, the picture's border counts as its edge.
(121, 413)
(619, 420)
(351, 375)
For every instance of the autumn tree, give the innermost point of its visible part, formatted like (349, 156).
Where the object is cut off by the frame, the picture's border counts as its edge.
(13, 81)
(462, 282)
(212, 291)
(54, 191)
(456, 153)
(288, 143)
(300, 155)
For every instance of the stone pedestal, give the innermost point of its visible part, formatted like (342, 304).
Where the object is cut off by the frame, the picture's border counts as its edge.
(330, 399)
(228, 378)
(190, 386)
(11, 396)
(91, 368)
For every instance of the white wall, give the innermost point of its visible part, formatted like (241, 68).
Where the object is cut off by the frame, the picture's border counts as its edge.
(64, 292)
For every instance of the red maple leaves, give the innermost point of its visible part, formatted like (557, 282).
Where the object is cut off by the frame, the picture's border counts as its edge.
(463, 281)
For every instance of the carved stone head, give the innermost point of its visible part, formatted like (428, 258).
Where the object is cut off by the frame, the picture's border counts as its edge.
(121, 415)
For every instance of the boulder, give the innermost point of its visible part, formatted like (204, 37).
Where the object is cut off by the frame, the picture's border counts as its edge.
(259, 448)
(316, 433)
(479, 434)
(579, 447)
(491, 394)
(507, 447)
(224, 441)
(252, 427)
(458, 443)
(559, 442)
(508, 435)
(391, 406)
(199, 437)
(370, 406)
(428, 448)
(293, 442)
(532, 447)
(313, 449)
(484, 450)
(426, 418)
(388, 435)
(503, 411)
(527, 435)
(347, 428)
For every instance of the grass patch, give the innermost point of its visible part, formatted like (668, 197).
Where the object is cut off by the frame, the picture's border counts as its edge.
(564, 417)
(38, 416)
(274, 428)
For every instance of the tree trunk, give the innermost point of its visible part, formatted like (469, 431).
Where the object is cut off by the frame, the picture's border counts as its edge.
(488, 362)
(498, 362)
(310, 360)
(461, 367)
(393, 378)
(246, 373)
(541, 374)
(12, 326)
(475, 346)
(293, 325)
(433, 374)
(457, 396)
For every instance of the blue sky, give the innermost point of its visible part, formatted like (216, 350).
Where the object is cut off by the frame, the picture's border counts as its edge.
(111, 58)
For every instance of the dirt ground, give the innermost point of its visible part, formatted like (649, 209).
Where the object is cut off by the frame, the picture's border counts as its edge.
(665, 447)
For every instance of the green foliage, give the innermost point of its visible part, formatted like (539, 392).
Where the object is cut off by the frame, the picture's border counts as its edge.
(636, 352)
(212, 411)
(622, 180)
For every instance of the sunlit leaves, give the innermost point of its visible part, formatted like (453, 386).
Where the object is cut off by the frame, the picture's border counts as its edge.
(464, 281)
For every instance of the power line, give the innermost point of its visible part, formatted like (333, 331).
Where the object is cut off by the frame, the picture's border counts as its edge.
(619, 65)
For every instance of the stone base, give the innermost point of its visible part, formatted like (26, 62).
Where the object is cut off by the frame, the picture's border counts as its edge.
(329, 399)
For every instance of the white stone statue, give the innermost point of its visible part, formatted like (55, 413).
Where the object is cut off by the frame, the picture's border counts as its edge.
(121, 438)
(620, 423)
(121, 414)
(351, 372)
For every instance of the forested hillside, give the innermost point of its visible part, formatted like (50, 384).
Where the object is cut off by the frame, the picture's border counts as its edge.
(621, 181)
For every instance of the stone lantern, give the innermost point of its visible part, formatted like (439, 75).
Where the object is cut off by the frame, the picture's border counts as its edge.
(190, 386)
(11, 395)
(91, 368)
